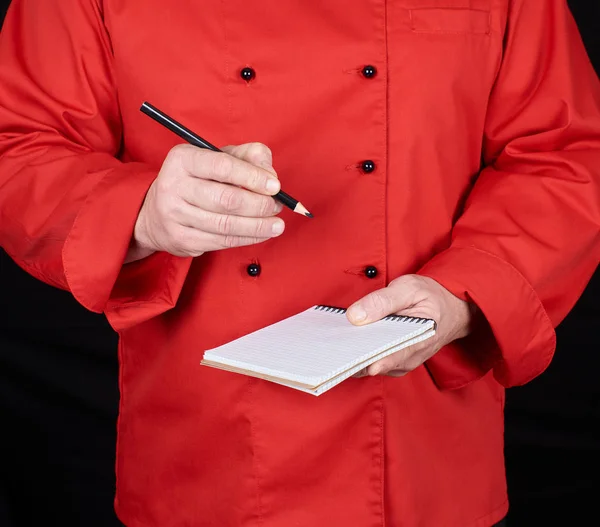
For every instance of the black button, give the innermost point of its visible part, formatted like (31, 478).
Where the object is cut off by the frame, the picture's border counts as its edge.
(367, 166)
(247, 74)
(253, 269)
(371, 272)
(369, 72)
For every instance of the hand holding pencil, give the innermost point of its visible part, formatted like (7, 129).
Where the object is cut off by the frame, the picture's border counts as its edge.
(205, 199)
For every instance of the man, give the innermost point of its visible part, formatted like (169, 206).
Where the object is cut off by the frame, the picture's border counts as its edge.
(58, 402)
(378, 116)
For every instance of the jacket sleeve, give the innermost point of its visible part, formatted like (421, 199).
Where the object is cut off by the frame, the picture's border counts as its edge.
(68, 206)
(528, 239)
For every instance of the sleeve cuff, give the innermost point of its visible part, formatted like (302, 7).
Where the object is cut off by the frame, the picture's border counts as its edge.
(96, 247)
(517, 339)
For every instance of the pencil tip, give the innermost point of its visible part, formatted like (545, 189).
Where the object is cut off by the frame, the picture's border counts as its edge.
(301, 209)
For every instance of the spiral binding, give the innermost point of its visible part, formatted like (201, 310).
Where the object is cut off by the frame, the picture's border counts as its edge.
(394, 318)
(330, 309)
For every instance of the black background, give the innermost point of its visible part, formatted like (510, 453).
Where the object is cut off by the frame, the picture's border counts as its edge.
(552, 437)
(59, 396)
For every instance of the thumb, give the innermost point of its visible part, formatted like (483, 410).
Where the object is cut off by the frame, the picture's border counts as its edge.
(397, 296)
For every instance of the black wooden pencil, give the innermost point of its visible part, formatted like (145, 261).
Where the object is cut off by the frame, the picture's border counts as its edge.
(194, 139)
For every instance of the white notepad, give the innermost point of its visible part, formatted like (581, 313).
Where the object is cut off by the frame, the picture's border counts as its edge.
(317, 349)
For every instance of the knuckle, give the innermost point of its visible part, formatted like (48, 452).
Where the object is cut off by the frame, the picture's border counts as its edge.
(258, 152)
(230, 241)
(163, 186)
(253, 149)
(175, 154)
(407, 280)
(381, 303)
(221, 166)
(230, 199)
(179, 156)
(266, 207)
(224, 224)
(412, 282)
(260, 229)
(255, 179)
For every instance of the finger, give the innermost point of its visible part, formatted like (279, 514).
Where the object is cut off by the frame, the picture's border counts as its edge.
(223, 167)
(404, 360)
(384, 366)
(255, 153)
(227, 224)
(395, 373)
(360, 373)
(229, 242)
(192, 242)
(382, 303)
(227, 199)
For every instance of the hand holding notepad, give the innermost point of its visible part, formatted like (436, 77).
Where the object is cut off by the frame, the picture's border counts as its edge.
(318, 348)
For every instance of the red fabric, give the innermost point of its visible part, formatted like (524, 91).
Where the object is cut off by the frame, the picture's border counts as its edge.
(457, 81)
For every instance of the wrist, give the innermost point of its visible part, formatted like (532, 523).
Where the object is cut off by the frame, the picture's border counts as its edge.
(137, 253)
(139, 246)
(472, 314)
(466, 314)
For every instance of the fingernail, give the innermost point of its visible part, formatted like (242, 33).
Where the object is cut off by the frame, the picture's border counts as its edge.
(357, 313)
(278, 207)
(272, 185)
(278, 228)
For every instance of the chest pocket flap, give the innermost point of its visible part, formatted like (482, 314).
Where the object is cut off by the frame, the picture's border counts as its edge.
(440, 19)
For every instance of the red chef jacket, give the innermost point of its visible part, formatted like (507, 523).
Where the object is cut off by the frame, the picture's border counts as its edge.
(482, 120)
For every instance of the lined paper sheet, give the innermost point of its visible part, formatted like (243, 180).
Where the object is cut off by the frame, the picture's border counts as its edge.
(315, 346)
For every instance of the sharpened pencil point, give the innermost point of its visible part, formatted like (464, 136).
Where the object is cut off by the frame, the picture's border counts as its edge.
(301, 209)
